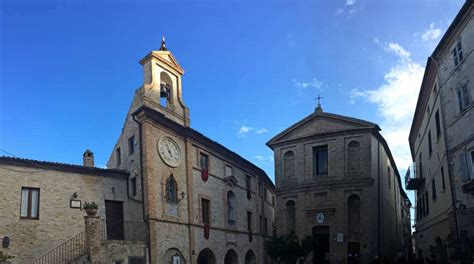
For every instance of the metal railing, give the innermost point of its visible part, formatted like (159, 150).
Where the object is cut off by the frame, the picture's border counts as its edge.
(132, 231)
(66, 252)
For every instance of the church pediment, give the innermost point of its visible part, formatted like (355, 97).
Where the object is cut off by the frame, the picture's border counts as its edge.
(320, 123)
(164, 57)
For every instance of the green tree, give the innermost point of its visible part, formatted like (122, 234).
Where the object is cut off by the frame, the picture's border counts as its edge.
(287, 249)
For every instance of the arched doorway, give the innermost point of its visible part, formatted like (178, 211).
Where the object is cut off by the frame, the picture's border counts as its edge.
(231, 257)
(173, 255)
(250, 257)
(206, 257)
(321, 250)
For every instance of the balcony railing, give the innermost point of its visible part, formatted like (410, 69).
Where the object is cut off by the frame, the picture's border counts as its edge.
(130, 231)
(411, 181)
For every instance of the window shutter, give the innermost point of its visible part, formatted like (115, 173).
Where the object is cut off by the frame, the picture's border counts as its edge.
(463, 165)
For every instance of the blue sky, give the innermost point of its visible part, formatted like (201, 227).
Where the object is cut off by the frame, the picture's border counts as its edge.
(68, 69)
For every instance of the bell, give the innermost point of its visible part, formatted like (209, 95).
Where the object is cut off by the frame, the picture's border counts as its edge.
(163, 90)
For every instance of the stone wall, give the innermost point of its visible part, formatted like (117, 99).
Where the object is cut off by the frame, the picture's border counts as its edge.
(30, 239)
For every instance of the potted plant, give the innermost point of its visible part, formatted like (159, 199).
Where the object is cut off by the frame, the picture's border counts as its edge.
(91, 208)
(5, 257)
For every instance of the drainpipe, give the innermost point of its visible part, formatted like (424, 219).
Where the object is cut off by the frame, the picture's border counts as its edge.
(448, 157)
(145, 218)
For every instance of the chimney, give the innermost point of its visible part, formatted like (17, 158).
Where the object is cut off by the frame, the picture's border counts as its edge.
(88, 158)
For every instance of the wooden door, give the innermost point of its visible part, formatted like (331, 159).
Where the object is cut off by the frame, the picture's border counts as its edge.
(114, 220)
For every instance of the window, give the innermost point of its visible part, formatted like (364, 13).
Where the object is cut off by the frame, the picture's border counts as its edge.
(389, 179)
(427, 208)
(438, 125)
(353, 213)
(260, 224)
(265, 228)
(228, 171)
(289, 165)
(231, 215)
(134, 186)
(463, 97)
(420, 168)
(249, 222)
(430, 146)
(118, 156)
(131, 145)
(442, 179)
(353, 155)
(248, 181)
(204, 161)
(465, 161)
(171, 190)
(457, 53)
(290, 216)
(433, 189)
(273, 200)
(205, 210)
(472, 162)
(320, 156)
(29, 203)
(260, 189)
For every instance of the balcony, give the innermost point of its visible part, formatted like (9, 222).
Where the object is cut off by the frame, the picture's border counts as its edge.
(411, 181)
(468, 187)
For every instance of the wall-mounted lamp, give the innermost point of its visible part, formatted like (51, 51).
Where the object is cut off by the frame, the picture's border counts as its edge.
(182, 196)
(74, 195)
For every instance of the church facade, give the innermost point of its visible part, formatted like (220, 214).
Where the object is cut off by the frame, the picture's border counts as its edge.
(336, 180)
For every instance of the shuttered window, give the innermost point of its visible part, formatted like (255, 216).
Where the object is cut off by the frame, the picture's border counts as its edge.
(29, 203)
(205, 211)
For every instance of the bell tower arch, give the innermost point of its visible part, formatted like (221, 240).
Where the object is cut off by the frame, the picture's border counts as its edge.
(162, 89)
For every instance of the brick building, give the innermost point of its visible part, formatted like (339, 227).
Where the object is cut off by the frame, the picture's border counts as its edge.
(336, 180)
(196, 200)
(442, 142)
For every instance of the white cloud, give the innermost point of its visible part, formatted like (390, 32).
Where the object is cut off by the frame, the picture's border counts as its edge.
(243, 130)
(350, 2)
(290, 40)
(376, 41)
(264, 158)
(310, 84)
(397, 50)
(431, 33)
(396, 99)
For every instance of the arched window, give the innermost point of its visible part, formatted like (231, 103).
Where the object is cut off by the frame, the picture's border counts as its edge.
(231, 215)
(353, 213)
(353, 155)
(166, 89)
(171, 190)
(289, 165)
(290, 215)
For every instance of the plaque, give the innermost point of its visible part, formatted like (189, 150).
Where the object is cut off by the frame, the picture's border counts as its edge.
(76, 204)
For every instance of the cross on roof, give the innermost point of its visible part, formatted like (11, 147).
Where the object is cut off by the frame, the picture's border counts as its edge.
(319, 98)
(319, 108)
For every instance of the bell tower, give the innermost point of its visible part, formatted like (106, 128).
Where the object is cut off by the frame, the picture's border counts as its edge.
(162, 84)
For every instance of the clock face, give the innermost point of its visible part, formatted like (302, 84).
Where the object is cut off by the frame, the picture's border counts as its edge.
(169, 151)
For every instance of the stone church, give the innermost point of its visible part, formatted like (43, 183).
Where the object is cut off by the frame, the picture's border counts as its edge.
(336, 180)
(169, 193)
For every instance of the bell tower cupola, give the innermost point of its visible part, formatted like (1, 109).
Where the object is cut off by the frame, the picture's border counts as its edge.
(162, 84)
